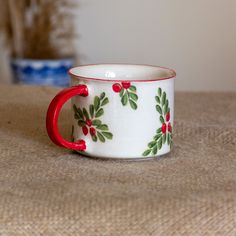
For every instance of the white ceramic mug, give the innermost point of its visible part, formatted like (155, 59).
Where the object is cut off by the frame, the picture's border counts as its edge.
(119, 111)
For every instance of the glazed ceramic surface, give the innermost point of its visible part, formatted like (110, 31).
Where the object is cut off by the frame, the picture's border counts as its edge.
(127, 112)
(42, 72)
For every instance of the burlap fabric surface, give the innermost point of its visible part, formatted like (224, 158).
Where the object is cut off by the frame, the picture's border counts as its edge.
(47, 190)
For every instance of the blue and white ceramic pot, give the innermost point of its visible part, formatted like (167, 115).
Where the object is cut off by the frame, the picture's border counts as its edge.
(42, 72)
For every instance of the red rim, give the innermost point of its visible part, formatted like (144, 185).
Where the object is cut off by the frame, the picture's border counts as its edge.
(116, 80)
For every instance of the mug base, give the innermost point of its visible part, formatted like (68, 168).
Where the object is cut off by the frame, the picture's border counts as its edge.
(165, 155)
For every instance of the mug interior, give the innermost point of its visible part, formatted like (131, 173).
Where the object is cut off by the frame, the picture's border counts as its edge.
(122, 72)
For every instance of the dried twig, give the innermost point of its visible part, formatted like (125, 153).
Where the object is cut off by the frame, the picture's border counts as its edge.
(38, 29)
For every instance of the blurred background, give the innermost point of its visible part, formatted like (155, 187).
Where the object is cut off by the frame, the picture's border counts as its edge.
(196, 38)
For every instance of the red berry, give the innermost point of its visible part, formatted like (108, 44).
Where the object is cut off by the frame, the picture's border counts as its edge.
(168, 116)
(169, 127)
(92, 131)
(88, 122)
(163, 128)
(116, 87)
(126, 85)
(85, 130)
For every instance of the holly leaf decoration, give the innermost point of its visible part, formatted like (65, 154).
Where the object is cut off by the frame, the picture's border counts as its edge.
(157, 99)
(158, 108)
(78, 114)
(132, 88)
(147, 152)
(91, 110)
(128, 96)
(101, 137)
(96, 122)
(162, 120)
(159, 92)
(81, 123)
(94, 138)
(108, 135)
(99, 113)
(154, 150)
(102, 95)
(122, 92)
(105, 101)
(133, 104)
(164, 138)
(163, 134)
(86, 115)
(102, 127)
(124, 99)
(133, 96)
(96, 103)
(163, 99)
(89, 119)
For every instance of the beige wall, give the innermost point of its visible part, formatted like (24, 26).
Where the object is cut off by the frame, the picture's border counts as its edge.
(197, 38)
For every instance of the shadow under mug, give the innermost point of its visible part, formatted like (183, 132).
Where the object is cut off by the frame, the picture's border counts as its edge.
(119, 111)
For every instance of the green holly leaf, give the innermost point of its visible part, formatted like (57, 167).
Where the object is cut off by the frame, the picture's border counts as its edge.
(132, 88)
(133, 104)
(157, 99)
(75, 108)
(91, 110)
(99, 113)
(96, 103)
(100, 137)
(168, 139)
(163, 99)
(102, 95)
(81, 123)
(76, 116)
(133, 96)
(165, 109)
(159, 92)
(164, 139)
(152, 144)
(86, 115)
(156, 137)
(122, 92)
(78, 112)
(96, 122)
(158, 131)
(102, 127)
(94, 138)
(124, 99)
(158, 108)
(147, 152)
(159, 144)
(167, 102)
(154, 150)
(108, 135)
(162, 120)
(105, 101)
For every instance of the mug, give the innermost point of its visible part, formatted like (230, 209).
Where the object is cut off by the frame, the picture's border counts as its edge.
(120, 111)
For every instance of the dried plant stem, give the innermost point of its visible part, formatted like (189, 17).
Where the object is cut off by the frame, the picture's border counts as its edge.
(38, 29)
(16, 24)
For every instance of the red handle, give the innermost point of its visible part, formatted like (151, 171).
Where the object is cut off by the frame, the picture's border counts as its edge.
(53, 114)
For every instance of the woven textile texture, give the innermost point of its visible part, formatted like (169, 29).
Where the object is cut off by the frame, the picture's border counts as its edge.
(47, 190)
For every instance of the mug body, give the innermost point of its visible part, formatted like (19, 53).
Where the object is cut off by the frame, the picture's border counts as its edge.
(128, 113)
